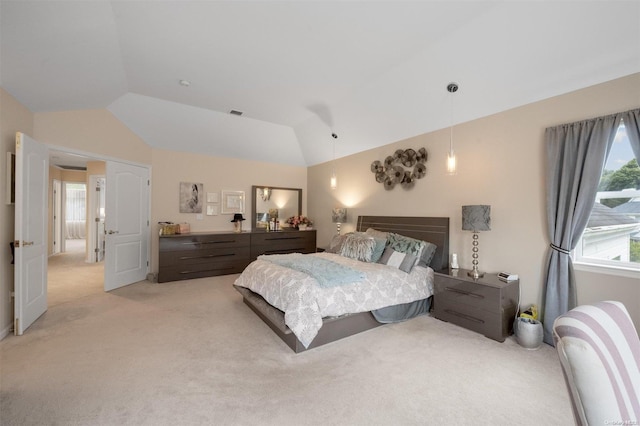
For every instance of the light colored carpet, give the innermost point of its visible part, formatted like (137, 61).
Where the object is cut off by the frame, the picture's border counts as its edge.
(70, 277)
(191, 353)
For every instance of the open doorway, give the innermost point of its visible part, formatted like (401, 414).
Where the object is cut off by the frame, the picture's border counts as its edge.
(77, 214)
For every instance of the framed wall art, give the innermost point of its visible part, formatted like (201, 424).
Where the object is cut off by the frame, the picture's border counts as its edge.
(191, 197)
(232, 202)
(212, 197)
(212, 210)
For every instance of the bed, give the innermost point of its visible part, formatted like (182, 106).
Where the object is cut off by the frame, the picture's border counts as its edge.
(263, 282)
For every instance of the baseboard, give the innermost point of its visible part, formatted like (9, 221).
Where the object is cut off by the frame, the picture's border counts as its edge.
(4, 333)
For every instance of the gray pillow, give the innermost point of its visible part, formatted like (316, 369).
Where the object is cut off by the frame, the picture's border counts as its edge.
(427, 254)
(381, 242)
(336, 244)
(377, 234)
(406, 244)
(359, 246)
(423, 250)
(402, 261)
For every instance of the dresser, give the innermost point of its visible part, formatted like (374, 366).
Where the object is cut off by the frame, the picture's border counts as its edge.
(197, 255)
(486, 305)
(207, 254)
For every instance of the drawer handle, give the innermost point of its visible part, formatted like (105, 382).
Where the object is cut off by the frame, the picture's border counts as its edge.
(207, 256)
(466, 293)
(291, 250)
(213, 242)
(208, 270)
(467, 317)
(283, 238)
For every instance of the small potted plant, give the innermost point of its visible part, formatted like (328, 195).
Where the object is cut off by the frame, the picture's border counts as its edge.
(299, 222)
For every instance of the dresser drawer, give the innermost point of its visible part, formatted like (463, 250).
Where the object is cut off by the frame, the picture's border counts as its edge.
(468, 293)
(206, 255)
(495, 325)
(200, 270)
(206, 241)
(283, 242)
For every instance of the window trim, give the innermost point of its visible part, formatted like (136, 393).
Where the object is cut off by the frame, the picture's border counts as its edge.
(617, 270)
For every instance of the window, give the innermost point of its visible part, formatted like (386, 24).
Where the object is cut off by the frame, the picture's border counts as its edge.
(612, 236)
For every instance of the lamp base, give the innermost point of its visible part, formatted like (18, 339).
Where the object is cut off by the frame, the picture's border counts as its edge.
(475, 274)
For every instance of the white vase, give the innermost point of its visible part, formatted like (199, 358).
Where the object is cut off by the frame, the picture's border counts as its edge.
(302, 227)
(528, 333)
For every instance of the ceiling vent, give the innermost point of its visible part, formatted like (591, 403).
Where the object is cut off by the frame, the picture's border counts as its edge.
(234, 112)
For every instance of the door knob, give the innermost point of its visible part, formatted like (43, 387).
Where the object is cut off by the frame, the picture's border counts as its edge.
(112, 232)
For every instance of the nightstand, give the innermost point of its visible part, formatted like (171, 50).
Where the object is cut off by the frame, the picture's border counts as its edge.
(486, 305)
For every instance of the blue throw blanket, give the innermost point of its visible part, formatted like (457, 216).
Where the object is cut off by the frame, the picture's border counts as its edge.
(326, 272)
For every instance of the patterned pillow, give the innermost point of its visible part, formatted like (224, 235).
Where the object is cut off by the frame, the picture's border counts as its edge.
(423, 250)
(359, 246)
(405, 244)
(402, 261)
(381, 242)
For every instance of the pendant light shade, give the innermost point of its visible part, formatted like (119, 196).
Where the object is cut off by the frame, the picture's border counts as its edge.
(451, 157)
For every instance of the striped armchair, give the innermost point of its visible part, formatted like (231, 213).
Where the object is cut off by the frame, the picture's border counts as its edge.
(599, 352)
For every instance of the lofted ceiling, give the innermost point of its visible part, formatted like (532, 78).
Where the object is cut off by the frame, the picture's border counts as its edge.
(374, 72)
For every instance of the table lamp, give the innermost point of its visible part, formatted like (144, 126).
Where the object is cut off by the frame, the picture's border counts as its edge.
(476, 218)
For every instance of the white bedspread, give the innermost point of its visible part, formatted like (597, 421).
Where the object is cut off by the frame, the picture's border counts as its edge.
(305, 303)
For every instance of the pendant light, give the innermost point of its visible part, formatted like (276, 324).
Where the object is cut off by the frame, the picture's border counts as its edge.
(334, 178)
(451, 157)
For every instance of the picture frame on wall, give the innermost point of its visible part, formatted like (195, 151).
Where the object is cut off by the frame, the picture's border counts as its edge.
(212, 197)
(212, 210)
(191, 195)
(232, 202)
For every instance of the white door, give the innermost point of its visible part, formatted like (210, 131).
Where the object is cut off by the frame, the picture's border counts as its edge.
(126, 225)
(30, 278)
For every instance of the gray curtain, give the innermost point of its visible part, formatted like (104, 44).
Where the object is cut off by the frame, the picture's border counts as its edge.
(632, 124)
(576, 155)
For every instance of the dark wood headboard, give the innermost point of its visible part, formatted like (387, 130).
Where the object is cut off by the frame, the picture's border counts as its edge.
(432, 229)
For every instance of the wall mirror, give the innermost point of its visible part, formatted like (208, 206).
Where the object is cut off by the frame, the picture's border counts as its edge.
(268, 202)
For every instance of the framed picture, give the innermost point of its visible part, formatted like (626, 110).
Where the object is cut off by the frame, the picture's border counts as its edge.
(191, 197)
(212, 197)
(212, 210)
(232, 202)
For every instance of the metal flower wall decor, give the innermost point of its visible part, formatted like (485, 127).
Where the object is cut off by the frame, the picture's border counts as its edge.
(404, 167)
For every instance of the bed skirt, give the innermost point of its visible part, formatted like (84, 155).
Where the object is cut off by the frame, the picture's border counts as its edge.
(333, 328)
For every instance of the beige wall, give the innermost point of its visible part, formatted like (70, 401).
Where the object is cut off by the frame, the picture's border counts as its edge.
(92, 131)
(13, 118)
(217, 174)
(501, 162)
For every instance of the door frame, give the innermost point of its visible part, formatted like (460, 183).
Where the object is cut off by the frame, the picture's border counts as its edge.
(99, 157)
(56, 217)
(93, 237)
